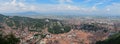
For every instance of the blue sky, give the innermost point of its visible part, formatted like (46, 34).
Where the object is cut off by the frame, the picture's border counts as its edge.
(61, 6)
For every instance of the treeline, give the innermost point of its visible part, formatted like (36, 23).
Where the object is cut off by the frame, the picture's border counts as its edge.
(91, 27)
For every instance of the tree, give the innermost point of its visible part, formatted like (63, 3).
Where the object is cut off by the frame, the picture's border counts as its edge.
(9, 39)
(59, 29)
(115, 39)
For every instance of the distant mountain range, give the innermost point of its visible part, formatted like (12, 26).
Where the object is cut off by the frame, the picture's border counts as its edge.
(41, 13)
(22, 13)
(58, 15)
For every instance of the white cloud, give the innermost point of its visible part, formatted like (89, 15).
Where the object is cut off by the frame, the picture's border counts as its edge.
(13, 2)
(113, 9)
(20, 6)
(70, 1)
(14, 6)
(64, 1)
(67, 7)
(108, 9)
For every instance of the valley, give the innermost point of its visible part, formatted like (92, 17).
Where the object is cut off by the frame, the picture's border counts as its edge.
(56, 31)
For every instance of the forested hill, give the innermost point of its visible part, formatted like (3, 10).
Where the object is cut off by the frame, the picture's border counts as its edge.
(114, 39)
(17, 22)
(21, 22)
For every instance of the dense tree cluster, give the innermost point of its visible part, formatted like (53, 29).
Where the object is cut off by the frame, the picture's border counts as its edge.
(57, 29)
(9, 39)
(1, 26)
(114, 39)
(92, 27)
(2, 17)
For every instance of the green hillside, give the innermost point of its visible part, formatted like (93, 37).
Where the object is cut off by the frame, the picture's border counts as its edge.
(114, 39)
(17, 22)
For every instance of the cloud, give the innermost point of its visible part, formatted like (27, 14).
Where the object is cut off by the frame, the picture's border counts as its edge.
(70, 1)
(113, 9)
(64, 1)
(22, 6)
(14, 6)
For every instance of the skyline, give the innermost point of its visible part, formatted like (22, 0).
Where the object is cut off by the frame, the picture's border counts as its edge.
(100, 7)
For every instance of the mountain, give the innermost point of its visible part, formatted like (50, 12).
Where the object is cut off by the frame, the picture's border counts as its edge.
(17, 22)
(28, 13)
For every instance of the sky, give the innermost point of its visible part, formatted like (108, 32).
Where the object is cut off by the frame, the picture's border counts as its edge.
(101, 7)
